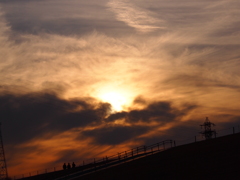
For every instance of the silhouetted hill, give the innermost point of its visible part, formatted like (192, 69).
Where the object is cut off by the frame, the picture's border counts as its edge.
(211, 159)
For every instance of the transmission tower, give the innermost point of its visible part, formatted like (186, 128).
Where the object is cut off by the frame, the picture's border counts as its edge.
(208, 132)
(3, 164)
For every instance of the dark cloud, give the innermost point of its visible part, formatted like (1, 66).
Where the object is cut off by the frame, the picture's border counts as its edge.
(162, 112)
(116, 134)
(55, 20)
(116, 116)
(159, 111)
(44, 114)
(139, 100)
(35, 114)
(64, 26)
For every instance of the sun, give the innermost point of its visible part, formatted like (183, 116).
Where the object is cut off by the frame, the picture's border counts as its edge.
(116, 99)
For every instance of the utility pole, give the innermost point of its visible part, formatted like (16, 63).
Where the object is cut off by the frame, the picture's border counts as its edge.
(3, 164)
(208, 132)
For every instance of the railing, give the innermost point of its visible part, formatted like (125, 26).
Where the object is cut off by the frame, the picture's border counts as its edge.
(125, 156)
(100, 163)
(122, 157)
(219, 133)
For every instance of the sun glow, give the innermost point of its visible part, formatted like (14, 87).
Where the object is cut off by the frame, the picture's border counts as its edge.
(115, 99)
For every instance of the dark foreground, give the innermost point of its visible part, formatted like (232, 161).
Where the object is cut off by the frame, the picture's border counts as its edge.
(212, 159)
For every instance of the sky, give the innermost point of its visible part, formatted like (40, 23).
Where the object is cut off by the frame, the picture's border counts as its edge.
(83, 79)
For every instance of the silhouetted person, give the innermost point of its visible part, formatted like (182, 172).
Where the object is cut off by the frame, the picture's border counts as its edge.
(73, 165)
(69, 166)
(64, 166)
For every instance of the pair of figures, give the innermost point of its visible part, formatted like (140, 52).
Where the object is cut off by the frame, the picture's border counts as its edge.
(68, 166)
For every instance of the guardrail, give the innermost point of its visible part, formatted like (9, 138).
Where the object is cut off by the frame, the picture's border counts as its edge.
(125, 156)
(220, 132)
(100, 163)
(122, 157)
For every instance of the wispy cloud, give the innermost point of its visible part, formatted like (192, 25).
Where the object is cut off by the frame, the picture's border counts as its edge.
(136, 17)
(55, 66)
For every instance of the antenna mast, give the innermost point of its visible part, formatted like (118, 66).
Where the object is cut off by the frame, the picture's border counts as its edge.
(208, 132)
(3, 164)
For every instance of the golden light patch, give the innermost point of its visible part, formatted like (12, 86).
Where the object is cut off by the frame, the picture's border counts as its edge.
(117, 99)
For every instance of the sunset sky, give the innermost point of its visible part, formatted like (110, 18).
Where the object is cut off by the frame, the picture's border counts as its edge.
(82, 79)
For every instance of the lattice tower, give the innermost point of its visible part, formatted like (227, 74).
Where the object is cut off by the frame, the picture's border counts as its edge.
(3, 164)
(208, 132)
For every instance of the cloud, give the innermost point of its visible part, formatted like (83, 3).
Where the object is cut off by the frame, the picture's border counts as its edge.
(73, 19)
(136, 123)
(64, 129)
(116, 135)
(133, 16)
(35, 124)
(36, 114)
(160, 111)
(54, 64)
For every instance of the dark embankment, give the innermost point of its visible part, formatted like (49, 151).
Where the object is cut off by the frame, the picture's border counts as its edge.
(211, 159)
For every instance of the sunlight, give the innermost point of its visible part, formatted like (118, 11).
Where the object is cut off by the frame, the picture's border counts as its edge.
(115, 99)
